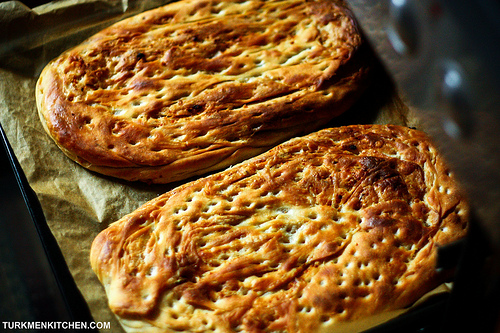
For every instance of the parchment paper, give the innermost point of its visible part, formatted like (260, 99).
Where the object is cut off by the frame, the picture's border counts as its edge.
(78, 203)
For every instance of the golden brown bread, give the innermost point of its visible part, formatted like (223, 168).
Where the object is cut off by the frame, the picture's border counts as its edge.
(196, 85)
(335, 226)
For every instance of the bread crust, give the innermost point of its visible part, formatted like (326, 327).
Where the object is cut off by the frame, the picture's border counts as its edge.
(323, 229)
(196, 85)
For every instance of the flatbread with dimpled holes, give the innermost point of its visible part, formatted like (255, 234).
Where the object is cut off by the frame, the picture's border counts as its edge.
(322, 230)
(196, 86)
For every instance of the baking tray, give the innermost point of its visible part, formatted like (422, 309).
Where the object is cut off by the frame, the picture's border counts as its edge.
(35, 283)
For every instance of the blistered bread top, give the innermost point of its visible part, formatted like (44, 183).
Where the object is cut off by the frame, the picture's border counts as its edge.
(196, 85)
(332, 227)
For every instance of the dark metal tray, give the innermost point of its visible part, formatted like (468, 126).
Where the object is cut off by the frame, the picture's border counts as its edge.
(35, 283)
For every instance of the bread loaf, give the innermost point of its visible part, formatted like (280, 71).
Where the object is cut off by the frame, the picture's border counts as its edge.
(325, 229)
(196, 86)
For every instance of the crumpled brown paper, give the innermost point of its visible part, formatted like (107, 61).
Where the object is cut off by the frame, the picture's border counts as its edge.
(78, 203)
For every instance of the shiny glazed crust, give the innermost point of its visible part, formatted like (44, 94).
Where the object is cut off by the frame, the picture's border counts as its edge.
(328, 228)
(196, 85)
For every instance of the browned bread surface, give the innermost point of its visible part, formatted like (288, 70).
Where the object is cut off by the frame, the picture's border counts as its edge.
(197, 85)
(335, 226)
